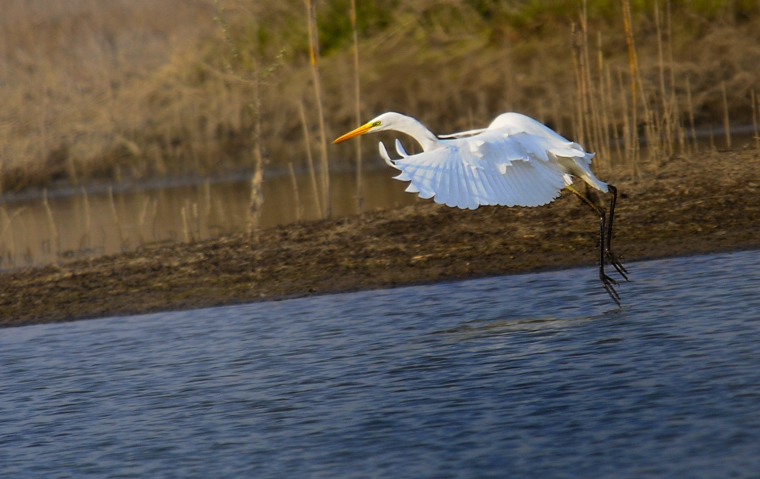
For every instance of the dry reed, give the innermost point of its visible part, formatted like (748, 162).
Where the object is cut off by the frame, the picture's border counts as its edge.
(726, 120)
(141, 221)
(85, 242)
(115, 218)
(185, 226)
(10, 250)
(691, 116)
(357, 93)
(294, 186)
(666, 129)
(51, 223)
(316, 77)
(754, 119)
(310, 160)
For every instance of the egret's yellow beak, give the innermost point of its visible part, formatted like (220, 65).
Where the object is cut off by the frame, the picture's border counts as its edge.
(359, 131)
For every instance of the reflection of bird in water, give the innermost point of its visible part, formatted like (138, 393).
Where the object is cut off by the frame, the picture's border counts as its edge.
(515, 161)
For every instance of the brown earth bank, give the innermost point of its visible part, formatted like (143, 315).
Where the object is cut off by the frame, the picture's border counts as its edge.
(706, 204)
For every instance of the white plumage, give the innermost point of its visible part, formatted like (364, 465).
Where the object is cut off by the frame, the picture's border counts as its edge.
(515, 161)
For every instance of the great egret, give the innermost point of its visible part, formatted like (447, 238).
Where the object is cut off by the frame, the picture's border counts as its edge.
(515, 161)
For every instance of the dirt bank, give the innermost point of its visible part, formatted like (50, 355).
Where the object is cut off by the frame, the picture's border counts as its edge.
(699, 205)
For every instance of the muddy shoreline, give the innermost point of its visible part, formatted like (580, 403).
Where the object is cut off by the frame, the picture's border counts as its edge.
(684, 206)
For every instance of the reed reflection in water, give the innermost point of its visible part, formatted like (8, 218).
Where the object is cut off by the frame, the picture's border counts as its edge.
(86, 224)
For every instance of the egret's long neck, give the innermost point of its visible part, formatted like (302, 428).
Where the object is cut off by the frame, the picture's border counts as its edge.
(417, 130)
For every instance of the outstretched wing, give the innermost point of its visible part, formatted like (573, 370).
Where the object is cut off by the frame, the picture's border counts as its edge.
(492, 168)
(462, 134)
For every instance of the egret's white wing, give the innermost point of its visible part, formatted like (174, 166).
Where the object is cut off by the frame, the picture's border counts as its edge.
(385, 156)
(538, 137)
(463, 134)
(400, 149)
(488, 169)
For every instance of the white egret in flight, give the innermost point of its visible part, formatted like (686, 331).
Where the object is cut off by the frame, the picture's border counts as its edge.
(515, 161)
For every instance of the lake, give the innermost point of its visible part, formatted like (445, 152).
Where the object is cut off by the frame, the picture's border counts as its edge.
(81, 223)
(533, 375)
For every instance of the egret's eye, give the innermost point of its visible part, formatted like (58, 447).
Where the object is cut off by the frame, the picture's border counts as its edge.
(377, 123)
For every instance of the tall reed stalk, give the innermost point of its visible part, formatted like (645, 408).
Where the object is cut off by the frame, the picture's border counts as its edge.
(141, 221)
(253, 78)
(310, 159)
(579, 114)
(674, 103)
(294, 186)
(726, 121)
(357, 92)
(85, 242)
(666, 125)
(51, 223)
(314, 59)
(580, 48)
(185, 227)
(257, 190)
(754, 120)
(604, 102)
(633, 148)
(11, 248)
(591, 91)
(691, 116)
(115, 216)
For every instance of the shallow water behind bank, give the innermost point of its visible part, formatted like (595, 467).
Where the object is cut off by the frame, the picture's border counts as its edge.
(81, 223)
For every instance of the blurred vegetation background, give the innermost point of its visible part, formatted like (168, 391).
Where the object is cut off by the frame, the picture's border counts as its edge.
(125, 90)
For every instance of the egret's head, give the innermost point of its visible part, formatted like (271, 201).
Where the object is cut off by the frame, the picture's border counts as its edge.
(382, 122)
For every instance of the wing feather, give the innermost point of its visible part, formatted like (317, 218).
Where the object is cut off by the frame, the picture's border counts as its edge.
(400, 149)
(490, 193)
(488, 169)
(445, 186)
(500, 186)
(458, 189)
(511, 186)
(458, 182)
(411, 188)
(462, 181)
(466, 180)
(384, 155)
(489, 196)
(453, 194)
(539, 185)
(475, 198)
(526, 189)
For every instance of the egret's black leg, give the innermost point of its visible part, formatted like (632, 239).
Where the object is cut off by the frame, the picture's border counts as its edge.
(607, 282)
(610, 255)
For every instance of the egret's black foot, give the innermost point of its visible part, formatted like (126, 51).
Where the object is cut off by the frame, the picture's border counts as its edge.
(609, 284)
(612, 259)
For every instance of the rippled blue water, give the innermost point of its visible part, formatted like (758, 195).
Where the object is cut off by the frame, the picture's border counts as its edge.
(535, 375)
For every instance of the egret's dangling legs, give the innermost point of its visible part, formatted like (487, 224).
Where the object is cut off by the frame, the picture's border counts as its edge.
(604, 243)
(610, 255)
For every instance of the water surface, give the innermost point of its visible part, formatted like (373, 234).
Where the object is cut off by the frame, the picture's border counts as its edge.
(534, 375)
(79, 223)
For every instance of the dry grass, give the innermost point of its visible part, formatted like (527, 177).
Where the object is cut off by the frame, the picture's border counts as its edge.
(73, 73)
(119, 90)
